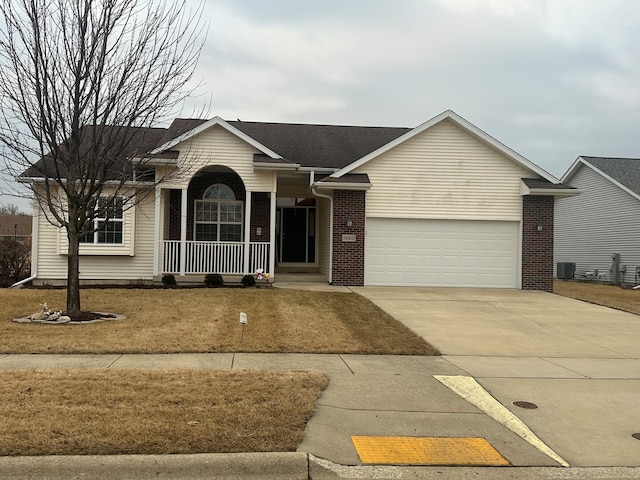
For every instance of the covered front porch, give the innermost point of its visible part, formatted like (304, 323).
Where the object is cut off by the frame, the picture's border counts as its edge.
(214, 224)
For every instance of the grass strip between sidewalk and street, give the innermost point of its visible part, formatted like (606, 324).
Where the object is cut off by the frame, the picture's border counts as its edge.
(105, 412)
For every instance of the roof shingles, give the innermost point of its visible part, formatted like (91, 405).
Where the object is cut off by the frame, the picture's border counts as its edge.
(322, 146)
(625, 171)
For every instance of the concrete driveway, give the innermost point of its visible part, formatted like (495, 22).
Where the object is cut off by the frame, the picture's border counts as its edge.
(579, 363)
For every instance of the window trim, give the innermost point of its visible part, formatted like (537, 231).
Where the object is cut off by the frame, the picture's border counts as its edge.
(219, 201)
(97, 220)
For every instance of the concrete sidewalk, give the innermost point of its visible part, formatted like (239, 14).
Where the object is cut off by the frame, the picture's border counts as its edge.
(367, 395)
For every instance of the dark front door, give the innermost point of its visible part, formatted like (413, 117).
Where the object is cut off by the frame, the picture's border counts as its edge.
(294, 235)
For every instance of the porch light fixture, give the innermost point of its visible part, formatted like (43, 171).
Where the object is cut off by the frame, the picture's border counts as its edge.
(349, 222)
(540, 226)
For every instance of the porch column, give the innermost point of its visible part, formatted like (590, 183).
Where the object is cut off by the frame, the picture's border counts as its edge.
(247, 232)
(156, 233)
(183, 232)
(272, 235)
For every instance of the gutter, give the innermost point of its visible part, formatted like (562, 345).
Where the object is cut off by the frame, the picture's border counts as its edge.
(343, 186)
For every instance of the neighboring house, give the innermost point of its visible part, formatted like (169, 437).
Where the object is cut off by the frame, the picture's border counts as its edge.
(442, 204)
(16, 227)
(603, 220)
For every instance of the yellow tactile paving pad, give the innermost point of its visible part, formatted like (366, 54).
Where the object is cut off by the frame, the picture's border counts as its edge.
(427, 451)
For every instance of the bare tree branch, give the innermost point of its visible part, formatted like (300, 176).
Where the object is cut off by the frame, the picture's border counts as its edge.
(81, 83)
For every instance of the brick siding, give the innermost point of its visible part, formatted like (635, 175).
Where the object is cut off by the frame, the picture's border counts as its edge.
(537, 245)
(260, 208)
(348, 257)
(199, 183)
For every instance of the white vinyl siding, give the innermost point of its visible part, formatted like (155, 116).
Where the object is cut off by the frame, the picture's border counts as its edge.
(590, 227)
(444, 172)
(52, 265)
(217, 146)
(446, 253)
(127, 247)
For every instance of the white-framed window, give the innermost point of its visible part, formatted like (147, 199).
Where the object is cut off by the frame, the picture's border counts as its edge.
(109, 226)
(218, 216)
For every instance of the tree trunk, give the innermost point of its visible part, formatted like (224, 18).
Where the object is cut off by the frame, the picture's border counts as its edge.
(73, 273)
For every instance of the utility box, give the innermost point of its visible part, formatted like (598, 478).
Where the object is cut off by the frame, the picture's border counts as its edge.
(566, 270)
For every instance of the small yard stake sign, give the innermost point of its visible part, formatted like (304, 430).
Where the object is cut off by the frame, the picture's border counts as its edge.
(243, 321)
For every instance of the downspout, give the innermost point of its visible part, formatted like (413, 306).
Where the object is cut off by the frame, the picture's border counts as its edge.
(22, 282)
(313, 190)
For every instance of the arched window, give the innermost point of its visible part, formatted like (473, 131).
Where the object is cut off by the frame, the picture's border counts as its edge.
(219, 191)
(218, 216)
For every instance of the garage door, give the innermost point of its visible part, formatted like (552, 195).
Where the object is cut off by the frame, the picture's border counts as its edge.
(448, 253)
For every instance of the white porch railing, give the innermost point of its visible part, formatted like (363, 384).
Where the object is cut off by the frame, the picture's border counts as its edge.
(214, 257)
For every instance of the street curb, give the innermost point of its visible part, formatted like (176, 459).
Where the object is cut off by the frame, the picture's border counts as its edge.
(279, 465)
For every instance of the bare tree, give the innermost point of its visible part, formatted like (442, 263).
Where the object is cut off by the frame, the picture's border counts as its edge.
(81, 83)
(11, 209)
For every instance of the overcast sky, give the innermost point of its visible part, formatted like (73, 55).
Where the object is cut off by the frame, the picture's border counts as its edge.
(551, 79)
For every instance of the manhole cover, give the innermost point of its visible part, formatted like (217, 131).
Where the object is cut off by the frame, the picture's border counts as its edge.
(523, 404)
(636, 436)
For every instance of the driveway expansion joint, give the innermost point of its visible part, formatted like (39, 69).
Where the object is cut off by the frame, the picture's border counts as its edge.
(346, 364)
(114, 361)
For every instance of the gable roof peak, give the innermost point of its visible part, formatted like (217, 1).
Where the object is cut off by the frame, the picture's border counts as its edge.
(205, 125)
(622, 171)
(465, 125)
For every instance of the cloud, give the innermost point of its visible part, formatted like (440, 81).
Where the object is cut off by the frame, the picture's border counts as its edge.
(552, 79)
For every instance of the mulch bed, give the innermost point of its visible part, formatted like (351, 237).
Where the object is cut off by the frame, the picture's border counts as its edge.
(88, 316)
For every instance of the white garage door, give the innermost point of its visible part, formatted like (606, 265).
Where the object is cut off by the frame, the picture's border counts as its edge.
(448, 253)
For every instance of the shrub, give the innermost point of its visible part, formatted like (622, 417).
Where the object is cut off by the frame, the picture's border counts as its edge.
(14, 260)
(248, 281)
(213, 280)
(169, 280)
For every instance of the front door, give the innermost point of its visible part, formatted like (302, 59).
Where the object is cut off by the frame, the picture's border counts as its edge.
(296, 234)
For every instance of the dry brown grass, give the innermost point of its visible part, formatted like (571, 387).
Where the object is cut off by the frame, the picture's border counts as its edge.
(84, 412)
(207, 320)
(608, 295)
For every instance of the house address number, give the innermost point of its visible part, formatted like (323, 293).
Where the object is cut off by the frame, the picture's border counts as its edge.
(348, 238)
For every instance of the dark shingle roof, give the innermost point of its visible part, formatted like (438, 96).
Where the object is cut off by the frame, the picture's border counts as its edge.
(141, 140)
(348, 178)
(325, 146)
(178, 127)
(624, 170)
(320, 146)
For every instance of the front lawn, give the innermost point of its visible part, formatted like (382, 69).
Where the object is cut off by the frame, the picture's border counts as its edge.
(612, 296)
(207, 320)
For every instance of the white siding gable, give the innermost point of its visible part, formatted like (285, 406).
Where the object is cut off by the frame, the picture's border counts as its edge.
(592, 226)
(444, 173)
(218, 146)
